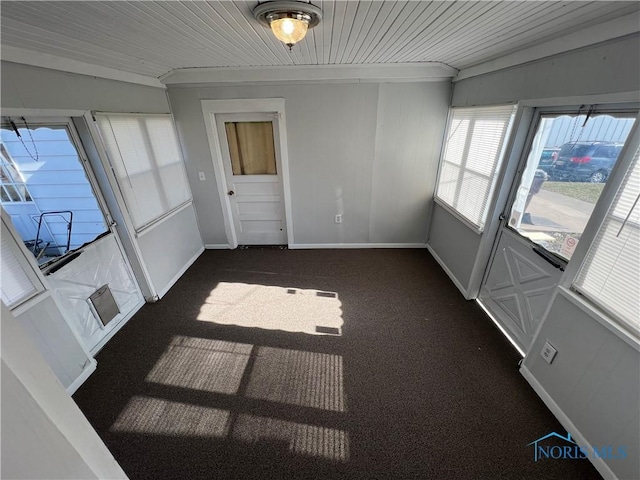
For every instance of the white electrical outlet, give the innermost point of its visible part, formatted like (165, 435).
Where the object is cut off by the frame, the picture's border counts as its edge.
(548, 352)
(339, 218)
(201, 175)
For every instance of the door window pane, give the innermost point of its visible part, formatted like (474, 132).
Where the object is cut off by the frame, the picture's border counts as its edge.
(251, 148)
(46, 192)
(569, 161)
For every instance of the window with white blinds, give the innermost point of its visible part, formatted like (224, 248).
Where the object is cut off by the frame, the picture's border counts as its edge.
(610, 274)
(15, 282)
(146, 159)
(471, 159)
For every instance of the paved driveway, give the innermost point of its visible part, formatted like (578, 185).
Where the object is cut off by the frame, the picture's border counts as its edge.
(555, 212)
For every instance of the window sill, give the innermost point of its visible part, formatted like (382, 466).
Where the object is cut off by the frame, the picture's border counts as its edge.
(154, 223)
(477, 230)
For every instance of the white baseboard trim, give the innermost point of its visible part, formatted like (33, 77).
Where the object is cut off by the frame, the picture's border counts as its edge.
(448, 272)
(564, 420)
(217, 246)
(302, 246)
(177, 276)
(88, 370)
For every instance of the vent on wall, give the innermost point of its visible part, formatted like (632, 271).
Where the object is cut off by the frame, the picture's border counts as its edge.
(103, 305)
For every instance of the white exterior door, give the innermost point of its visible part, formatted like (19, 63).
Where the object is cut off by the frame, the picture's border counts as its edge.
(551, 204)
(519, 286)
(253, 175)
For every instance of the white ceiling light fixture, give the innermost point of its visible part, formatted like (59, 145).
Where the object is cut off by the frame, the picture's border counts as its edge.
(288, 20)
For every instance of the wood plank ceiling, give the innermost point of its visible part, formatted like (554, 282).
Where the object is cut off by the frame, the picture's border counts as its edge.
(152, 38)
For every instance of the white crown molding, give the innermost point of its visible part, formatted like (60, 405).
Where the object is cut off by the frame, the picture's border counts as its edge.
(53, 62)
(610, 30)
(390, 72)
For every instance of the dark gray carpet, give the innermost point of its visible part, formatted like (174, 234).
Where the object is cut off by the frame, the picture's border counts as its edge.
(419, 384)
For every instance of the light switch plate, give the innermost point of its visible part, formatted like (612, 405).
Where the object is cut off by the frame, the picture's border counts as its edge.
(548, 352)
(201, 175)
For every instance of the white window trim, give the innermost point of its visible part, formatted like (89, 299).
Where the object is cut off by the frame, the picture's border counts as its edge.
(598, 217)
(467, 223)
(26, 261)
(497, 171)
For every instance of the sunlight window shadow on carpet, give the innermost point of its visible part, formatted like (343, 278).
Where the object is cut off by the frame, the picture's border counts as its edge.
(301, 439)
(154, 416)
(202, 364)
(297, 377)
(274, 308)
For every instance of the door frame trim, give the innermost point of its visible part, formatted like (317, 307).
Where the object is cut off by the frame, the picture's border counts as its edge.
(210, 108)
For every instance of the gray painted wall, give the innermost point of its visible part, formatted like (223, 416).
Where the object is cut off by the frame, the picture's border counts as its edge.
(611, 67)
(45, 434)
(24, 86)
(53, 336)
(368, 151)
(170, 246)
(455, 244)
(594, 380)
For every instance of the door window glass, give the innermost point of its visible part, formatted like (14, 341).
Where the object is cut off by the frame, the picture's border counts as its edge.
(45, 190)
(569, 161)
(251, 148)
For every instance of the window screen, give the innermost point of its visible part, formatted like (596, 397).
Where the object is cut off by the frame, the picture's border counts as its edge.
(610, 272)
(144, 153)
(471, 159)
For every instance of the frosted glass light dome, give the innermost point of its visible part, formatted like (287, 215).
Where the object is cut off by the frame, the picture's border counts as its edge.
(288, 20)
(289, 30)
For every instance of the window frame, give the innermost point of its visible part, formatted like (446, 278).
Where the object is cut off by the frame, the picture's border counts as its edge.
(612, 183)
(606, 318)
(113, 177)
(7, 164)
(25, 260)
(612, 318)
(68, 123)
(493, 178)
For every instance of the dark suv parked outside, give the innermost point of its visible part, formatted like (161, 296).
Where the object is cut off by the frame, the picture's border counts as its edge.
(549, 155)
(585, 161)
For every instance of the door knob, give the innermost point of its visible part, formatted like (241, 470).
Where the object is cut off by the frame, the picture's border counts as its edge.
(231, 192)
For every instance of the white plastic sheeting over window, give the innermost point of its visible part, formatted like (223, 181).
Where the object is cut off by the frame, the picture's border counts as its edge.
(609, 275)
(101, 263)
(471, 159)
(144, 153)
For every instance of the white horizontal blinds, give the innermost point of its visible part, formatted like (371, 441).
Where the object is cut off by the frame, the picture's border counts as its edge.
(471, 159)
(144, 153)
(610, 274)
(15, 282)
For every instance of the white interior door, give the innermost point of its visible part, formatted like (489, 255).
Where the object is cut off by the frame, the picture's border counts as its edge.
(253, 175)
(567, 164)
